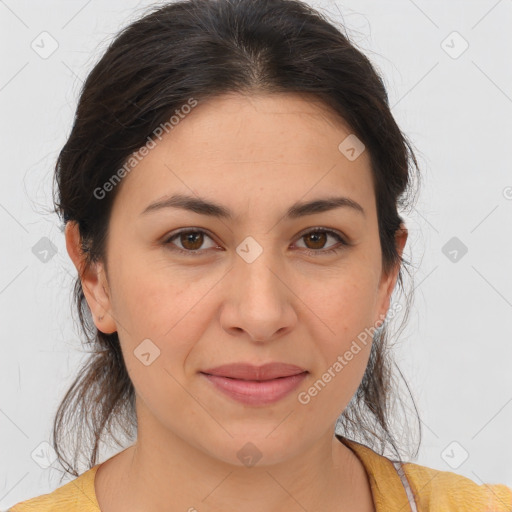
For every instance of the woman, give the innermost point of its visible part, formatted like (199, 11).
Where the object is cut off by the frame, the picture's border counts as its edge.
(230, 192)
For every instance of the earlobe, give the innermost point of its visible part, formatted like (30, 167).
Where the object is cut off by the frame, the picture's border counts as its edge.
(93, 279)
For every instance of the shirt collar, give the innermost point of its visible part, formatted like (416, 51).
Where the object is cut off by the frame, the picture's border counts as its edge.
(388, 492)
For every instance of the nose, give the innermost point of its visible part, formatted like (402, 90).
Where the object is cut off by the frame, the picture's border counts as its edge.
(259, 303)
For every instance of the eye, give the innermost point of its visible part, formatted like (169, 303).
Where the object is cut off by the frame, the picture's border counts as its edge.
(191, 241)
(318, 237)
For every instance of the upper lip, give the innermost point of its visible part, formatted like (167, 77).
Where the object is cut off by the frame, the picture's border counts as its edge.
(245, 371)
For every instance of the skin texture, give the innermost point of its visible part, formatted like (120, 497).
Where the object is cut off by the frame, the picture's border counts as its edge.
(256, 155)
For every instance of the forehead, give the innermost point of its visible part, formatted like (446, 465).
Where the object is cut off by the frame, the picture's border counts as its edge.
(279, 146)
(263, 122)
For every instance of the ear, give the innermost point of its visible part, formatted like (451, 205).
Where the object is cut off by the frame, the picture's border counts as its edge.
(388, 281)
(94, 282)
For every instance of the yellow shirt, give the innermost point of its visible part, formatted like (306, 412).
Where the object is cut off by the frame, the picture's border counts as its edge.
(409, 488)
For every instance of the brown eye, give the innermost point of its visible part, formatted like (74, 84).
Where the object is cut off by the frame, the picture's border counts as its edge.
(189, 241)
(317, 238)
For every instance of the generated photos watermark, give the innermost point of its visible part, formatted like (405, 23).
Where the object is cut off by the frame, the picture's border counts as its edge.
(304, 397)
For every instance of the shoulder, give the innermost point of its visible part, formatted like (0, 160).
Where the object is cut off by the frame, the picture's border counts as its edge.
(444, 490)
(394, 485)
(76, 495)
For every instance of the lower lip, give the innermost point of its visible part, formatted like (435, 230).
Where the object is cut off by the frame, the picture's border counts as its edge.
(251, 392)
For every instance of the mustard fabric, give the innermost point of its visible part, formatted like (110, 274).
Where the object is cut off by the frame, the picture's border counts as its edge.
(433, 490)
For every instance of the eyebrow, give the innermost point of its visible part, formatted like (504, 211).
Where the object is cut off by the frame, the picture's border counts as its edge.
(212, 209)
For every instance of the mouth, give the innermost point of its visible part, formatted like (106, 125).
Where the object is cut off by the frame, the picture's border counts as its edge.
(249, 372)
(250, 380)
(254, 392)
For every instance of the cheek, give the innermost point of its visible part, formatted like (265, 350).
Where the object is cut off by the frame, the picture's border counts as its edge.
(154, 297)
(167, 306)
(343, 348)
(167, 312)
(345, 305)
(343, 301)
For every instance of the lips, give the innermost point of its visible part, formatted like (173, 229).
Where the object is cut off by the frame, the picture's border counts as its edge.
(244, 371)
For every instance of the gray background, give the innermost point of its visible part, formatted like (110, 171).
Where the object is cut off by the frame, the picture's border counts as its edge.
(456, 108)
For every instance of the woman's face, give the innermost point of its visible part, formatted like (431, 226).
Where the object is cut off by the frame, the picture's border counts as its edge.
(256, 287)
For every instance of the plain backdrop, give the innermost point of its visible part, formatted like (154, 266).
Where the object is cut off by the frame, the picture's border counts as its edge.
(446, 65)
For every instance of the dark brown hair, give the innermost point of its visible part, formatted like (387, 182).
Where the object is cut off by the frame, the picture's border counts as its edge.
(201, 49)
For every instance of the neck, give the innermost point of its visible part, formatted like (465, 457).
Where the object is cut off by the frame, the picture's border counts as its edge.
(161, 471)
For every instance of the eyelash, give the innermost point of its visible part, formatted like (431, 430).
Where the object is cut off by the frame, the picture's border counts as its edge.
(310, 252)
